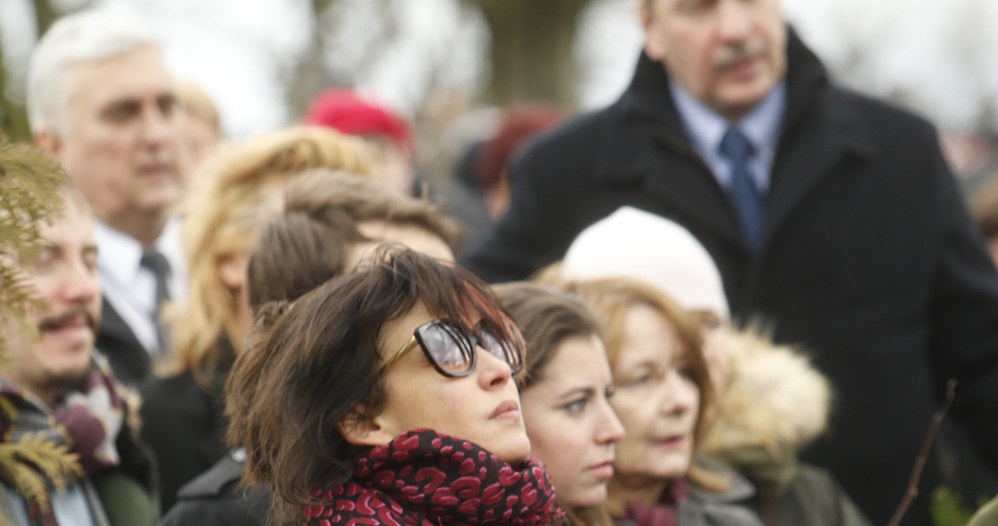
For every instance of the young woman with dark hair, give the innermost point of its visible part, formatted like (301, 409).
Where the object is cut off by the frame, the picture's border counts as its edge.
(565, 390)
(386, 395)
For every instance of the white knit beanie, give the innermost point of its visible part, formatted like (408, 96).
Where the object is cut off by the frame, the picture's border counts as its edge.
(635, 244)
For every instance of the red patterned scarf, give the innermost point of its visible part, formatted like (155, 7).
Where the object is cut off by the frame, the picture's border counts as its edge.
(425, 478)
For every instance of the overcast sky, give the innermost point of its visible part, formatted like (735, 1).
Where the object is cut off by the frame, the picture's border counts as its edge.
(938, 57)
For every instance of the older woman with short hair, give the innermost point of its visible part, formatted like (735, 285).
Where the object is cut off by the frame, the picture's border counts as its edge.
(662, 390)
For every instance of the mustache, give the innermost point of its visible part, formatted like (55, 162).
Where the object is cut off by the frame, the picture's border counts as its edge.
(729, 55)
(159, 155)
(51, 322)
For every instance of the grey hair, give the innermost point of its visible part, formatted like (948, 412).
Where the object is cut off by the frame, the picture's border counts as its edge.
(82, 37)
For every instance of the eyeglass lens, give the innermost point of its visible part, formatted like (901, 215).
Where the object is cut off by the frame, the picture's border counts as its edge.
(452, 349)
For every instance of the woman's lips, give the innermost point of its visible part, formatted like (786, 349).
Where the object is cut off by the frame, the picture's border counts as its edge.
(603, 470)
(506, 411)
(671, 442)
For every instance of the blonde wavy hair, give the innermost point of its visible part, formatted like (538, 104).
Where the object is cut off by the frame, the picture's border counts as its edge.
(238, 190)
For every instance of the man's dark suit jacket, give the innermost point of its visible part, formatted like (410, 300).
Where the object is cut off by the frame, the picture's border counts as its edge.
(130, 362)
(868, 256)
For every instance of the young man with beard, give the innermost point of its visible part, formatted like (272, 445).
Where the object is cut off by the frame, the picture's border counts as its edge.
(62, 392)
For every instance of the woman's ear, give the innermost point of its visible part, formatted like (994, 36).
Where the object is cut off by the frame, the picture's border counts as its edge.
(369, 432)
(232, 269)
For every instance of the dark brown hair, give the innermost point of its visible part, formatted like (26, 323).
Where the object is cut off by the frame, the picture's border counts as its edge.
(341, 198)
(305, 246)
(318, 364)
(294, 254)
(546, 317)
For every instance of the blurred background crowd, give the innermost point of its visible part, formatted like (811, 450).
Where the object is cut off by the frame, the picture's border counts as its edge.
(449, 66)
(821, 274)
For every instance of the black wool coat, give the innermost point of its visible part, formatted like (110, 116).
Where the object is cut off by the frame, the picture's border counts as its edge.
(869, 258)
(218, 498)
(130, 361)
(184, 424)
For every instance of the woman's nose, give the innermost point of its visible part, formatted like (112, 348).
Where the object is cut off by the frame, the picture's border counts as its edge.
(609, 427)
(679, 395)
(492, 371)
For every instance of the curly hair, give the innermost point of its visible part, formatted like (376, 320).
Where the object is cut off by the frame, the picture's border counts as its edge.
(239, 192)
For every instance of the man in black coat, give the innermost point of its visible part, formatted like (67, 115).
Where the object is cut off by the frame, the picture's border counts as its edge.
(853, 240)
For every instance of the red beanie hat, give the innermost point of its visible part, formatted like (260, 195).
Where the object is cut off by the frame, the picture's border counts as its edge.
(349, 113)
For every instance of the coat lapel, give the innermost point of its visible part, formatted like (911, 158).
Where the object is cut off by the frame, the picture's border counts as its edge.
(129, 359)
(806, 156)
(685, 183)
(676, 183)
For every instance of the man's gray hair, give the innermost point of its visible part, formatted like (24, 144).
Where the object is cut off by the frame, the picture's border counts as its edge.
(82, 37)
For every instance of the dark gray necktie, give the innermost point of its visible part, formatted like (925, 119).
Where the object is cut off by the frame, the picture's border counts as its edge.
(737, 150)
(160, 267)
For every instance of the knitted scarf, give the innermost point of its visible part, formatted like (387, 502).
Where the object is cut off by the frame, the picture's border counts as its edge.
(86, 421)
(425, 478)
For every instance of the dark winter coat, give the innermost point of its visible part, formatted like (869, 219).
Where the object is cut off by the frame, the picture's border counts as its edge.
(868, 256)
(184, 425)
(216, 498)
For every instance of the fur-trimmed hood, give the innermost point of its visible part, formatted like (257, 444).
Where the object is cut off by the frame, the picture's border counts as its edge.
(771, 403)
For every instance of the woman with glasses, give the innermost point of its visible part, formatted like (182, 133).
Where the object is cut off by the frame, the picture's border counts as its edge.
(662, 390)
(565, 390)
(385, 396)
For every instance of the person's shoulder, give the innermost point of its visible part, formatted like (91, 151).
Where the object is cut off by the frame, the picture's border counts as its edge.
(171, 395)
(216, 497)
(878, 113)
(214, 482)
(819, 493)
(172, 386)
(734, 488)
(577, 134)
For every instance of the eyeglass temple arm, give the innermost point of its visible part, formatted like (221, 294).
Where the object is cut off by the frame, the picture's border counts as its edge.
(409, 345)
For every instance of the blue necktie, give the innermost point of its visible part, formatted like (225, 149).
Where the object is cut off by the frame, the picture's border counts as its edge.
(737, 149)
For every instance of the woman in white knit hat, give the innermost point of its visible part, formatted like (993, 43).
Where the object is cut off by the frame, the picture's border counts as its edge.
(771, 401)
(635, 244)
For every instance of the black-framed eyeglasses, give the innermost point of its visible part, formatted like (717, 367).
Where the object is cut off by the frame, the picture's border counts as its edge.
(452, 350)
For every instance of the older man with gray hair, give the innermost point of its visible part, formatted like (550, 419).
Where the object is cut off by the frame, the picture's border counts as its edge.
(101, 101)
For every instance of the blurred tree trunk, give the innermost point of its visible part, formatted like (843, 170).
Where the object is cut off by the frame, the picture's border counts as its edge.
(13, 115)
(310, 74)
(532, 50)
(46, 15)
